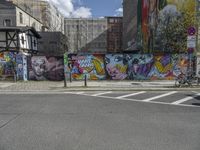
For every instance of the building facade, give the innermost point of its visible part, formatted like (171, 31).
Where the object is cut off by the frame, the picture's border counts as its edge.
(86, 35)
(44, 11)
(52, 44)
(114, 34)
(130, 25)
(11, 15)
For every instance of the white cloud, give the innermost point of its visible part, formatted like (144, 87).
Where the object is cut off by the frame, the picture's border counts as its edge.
(81, 12)
(119, 12)
(67, 8)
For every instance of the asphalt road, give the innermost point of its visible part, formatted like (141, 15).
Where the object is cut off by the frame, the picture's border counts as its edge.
(90, 122)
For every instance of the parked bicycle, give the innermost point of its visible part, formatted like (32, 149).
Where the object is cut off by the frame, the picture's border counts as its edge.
(186, 80)
(183, 79)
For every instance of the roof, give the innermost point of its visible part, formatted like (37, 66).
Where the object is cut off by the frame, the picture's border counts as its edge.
(21, 29)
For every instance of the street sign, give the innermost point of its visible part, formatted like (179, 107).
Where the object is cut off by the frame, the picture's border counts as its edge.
(191, 31)
(191, 41)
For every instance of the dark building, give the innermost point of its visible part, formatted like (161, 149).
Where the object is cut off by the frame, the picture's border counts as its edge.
(129, 25)
(114, 34)
(52, 44)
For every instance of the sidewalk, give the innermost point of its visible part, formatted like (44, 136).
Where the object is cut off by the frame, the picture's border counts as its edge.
(51, 86)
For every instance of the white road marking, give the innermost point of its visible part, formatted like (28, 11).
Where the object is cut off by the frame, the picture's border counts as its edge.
(185, 99)
(98, 94)
(159, 96)
(80, 92)
(133, 94)
(151, 102)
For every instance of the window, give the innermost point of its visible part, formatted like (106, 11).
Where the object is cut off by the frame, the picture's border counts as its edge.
(21, 17)
(7, 22)
(22, 39)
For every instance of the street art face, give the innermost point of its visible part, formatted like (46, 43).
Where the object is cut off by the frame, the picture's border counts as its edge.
(116, 67)
(164, 23)
(90, 65)
(46, 68)
(139, 66)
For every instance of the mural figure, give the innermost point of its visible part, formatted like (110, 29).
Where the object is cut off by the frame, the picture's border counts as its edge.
(139, 66)
(46, 68)
(38, 65)
(116, 66)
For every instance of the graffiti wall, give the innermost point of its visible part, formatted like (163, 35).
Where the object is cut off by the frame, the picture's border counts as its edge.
(164, 23)
(90, 65)
(116, 66)
(7, 63)
(139, 66)
(110, 66)
(162, 68)
(19, 64)
(46, 68)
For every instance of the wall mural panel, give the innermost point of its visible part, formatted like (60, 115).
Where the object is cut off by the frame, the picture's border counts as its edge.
(20, 69)
(46, 68)
(162, 68)
(116, 66)
(7, 63)
(90, 65)
(139, 66)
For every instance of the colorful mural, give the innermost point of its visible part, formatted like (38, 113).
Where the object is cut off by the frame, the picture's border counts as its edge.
(46, 68)
(116, 66)
(90, 65)
(163, 24)
(162, 68)
(20, 70)
(7, 65)
(139, 66)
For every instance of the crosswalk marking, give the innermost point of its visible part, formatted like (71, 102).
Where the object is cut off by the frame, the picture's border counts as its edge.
(159, 96)
(98, 94)
(185, 99)
(133, 94)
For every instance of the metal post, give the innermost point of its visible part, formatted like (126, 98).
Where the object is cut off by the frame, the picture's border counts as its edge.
(65, 81)
(85, 80)
(70, 77)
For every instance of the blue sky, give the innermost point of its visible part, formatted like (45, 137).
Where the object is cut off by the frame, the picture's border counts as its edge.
(89, 8)
(103, 7)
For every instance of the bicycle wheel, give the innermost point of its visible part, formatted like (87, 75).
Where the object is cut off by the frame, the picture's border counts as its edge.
(177, 83)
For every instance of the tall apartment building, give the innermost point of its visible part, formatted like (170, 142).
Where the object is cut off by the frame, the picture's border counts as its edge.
(130, 25)
(12, 15)
(44, 11)
(114, 34)
(86, 35)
